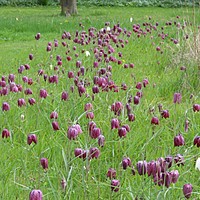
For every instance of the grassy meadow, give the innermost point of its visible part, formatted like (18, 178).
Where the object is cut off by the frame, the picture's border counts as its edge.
(95, 67)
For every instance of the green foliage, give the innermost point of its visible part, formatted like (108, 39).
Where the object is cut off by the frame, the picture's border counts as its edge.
(139, 3)
(43, 2)
(28, 2)
(18, 2)
(133, 3)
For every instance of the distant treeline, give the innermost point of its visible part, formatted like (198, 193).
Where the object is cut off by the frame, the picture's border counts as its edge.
(134, 3)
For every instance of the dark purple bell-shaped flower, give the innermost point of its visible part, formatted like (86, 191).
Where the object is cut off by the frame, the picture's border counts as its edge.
(70, 74)
(94, 152)
(165, 114)
(179, 159)
(5, 106)
(197, 141)
(167, 179)
(21, 102)
(91, 126)
(179, 140)
(45, 76)
(196, 107)
(27, 66)
(153, 167)
(126, 162)
(44, 163)
(127, 127)
(145, 82)
(85, 154)
(35, 195)
(122, 132)
(117, 108)
(55, 126)
(48, 48)
(128, 106)
(186, 125)
(187, 190)
(95, 133)
(177, 98)
(131, 117)
(30, 56)
(72, 133)
(111, 173)
(64, 96)
(155, 121)
(95, 89)
(54, 115)
(2, 83)
(43, 93)
(13, 87)
(78, 152)
(5, 133)
(90, 115)
(31, 101)
(139, 86)
(115, 185)
(28, 91)
(32, 138)
(11, 78)
(136, 100)
(78, 64)
(169, 160)
(37, 36)
(81, 89)
(142, 167)
(174, 175)
(114, 123)
(78, 128)
(4, 91)
(101, 140)
(25, 79)
(21, 69)
(162, 163)
(88, 106)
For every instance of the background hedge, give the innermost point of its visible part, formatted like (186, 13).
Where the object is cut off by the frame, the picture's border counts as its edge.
(136, 3)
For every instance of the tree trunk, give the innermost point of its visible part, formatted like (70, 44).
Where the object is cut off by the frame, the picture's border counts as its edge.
(68, 7)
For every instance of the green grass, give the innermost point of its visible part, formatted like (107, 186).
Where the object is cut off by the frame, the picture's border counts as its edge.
(20, 167)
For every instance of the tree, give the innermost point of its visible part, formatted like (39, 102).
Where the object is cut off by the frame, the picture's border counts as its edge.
(68, 7)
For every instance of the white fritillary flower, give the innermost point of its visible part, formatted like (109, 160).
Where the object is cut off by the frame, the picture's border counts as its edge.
(197, 166)
(108, 28)
(87, 53)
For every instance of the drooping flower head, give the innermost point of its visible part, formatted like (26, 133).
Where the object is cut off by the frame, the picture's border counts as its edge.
(115, 185)
(142, 167)
(5, 133)
(32, 138)
(5, 106)
(187, 190)
(179, 140)
(126, 162)
(111, 173)
(43, 93)
(44, 163)
(35, 195)
(177, 98)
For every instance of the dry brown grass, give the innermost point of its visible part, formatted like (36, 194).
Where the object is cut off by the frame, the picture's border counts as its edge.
(193, 46)
(188, 49)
